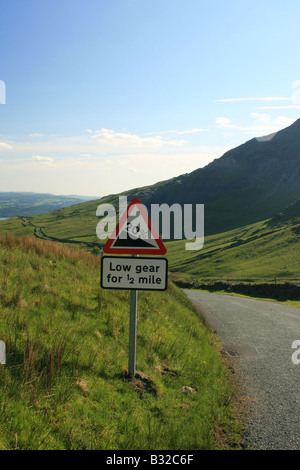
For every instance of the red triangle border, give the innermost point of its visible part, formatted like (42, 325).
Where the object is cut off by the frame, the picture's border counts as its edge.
(135, 251)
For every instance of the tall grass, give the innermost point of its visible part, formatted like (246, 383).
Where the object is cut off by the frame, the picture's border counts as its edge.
(65, 384)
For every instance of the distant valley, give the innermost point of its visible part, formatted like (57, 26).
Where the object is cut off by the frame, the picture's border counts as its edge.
(15, 204)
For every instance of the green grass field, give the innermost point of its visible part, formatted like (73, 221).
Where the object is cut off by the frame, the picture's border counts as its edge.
(65, 385)
(263, 251)
(257, 252)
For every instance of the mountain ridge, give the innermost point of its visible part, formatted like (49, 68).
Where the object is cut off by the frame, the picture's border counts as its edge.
(249, 183)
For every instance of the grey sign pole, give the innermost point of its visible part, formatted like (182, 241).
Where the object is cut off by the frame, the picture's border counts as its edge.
(132, 331)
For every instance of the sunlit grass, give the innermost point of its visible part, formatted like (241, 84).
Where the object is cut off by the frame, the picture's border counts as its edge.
(257, 252)
(65, 385)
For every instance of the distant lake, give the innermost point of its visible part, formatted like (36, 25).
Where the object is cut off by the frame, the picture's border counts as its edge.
(3, 218)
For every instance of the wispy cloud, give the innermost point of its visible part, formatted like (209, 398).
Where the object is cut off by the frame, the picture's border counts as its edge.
(180, 132)
(261, 117)
(262, 124)
(264, 98)
(224, 122)
(284, 121)
(113, 138)
(5, 146)
(43, 160)
(291, 106)
(95, 143)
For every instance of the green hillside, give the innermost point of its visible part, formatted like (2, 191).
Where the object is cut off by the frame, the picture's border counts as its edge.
(263, 251)
(65, 386)
(77, 222)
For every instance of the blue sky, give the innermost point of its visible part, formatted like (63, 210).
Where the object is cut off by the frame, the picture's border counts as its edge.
(106, 95)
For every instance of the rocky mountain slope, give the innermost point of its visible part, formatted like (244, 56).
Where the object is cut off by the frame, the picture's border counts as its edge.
(249, 183)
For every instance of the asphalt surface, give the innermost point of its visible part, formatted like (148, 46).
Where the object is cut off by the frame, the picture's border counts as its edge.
(259, 337)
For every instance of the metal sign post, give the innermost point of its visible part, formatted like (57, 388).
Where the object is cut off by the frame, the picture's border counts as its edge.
(134, 273)
(134, 235)
(132, 332)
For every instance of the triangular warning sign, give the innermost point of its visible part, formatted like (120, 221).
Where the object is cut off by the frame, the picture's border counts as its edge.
(135, 233)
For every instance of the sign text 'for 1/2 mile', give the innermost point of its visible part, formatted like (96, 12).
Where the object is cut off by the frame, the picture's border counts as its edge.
(134, 273)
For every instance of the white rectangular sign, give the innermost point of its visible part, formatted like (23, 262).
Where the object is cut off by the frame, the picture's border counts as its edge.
(134, 273)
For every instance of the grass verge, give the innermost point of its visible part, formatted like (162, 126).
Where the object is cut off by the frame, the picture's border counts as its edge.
(65, 383)
(284, 293)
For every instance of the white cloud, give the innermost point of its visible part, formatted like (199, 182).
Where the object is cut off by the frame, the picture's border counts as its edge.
(36, 134)
(261, 117)
(43, 160)
(263, 124)
(113, 174)
(95, 145)
(223, 122)
(5, 146)
(192, 131)
(284, 121)
(265, 98)
(180, 132)
(292, 106)
(111, 138)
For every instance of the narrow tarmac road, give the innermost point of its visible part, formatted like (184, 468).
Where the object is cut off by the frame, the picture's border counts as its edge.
(259, 336)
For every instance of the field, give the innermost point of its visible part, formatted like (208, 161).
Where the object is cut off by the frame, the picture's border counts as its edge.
(65, 383)
(265, 251)
(260, 252)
